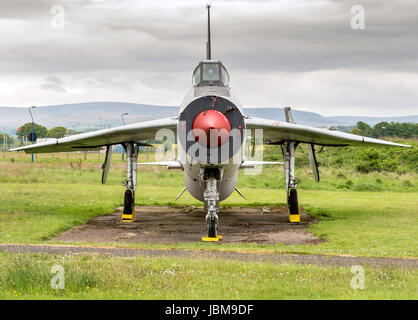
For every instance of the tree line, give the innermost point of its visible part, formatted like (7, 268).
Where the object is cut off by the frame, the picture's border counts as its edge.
(402, 130)
(5, 139)
(42, 132)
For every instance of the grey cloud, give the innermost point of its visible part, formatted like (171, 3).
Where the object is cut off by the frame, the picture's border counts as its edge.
(35, 9)
(54, 79)
(317, 38)
(149, 44)
(53, 87)
(53, 83)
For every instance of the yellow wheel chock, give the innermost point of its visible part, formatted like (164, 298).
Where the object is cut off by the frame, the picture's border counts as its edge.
(128, 217)
(294, 218)
(212, 239)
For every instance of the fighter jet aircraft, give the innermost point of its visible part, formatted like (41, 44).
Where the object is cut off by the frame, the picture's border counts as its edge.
(210, 130)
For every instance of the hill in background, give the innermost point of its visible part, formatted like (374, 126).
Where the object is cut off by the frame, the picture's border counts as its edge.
(95, 115)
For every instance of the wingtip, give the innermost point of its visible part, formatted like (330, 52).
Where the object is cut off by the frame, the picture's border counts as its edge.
(401, 145)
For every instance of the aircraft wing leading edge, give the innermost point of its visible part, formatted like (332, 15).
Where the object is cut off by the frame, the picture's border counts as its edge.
(93, 140)
(277, 132)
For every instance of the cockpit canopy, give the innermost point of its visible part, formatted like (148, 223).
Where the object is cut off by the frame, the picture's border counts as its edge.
(210, 73)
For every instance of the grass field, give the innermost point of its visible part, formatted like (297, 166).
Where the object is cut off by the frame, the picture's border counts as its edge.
(39, 200)
(29, 277)
(375, 214)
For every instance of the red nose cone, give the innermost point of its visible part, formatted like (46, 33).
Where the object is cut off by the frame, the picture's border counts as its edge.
(212, 124)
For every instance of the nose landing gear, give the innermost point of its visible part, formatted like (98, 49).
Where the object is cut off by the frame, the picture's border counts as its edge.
(211, 199)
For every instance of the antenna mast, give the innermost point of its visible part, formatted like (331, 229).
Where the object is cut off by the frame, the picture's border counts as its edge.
(208, 43)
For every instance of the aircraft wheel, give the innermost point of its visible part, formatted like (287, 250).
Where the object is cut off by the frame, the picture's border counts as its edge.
(293, 202)
(212, 228)
(129, 202)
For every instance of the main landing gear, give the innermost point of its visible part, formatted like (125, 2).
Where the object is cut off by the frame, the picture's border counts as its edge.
(128, 214)
(288, 150)
(211, 200)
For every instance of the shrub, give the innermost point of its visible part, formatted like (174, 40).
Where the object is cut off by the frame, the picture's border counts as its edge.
(406, 183)
(368, 161)
(362, 186)
(343, 186)
(389, 165)
(341, 175)
(347, 185)
(367, 167)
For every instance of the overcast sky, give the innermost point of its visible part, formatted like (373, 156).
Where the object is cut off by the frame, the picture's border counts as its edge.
(297, 53)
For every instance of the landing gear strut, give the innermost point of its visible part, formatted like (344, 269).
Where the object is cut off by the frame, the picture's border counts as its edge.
(211, 199)
(288, 150)
(128, 214)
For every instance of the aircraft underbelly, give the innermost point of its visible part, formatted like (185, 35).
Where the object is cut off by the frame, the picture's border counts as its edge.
(226, 186)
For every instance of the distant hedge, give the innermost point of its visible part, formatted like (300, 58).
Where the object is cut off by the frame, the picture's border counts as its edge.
(385, 129)
(362, 160)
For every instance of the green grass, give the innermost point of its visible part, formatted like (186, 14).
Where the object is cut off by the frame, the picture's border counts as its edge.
(41, 211)
(38, 201)
(362, 224)
(29, 277)
(371, 214)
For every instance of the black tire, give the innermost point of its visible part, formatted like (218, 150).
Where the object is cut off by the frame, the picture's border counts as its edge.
(212, 228)
(129, 202)
(293, 202)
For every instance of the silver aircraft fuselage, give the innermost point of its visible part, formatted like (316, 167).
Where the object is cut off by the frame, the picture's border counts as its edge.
(193, 168)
